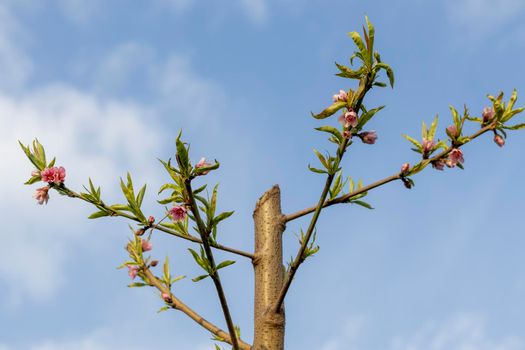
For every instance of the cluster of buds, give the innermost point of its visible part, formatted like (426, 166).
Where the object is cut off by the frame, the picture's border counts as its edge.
(454, 158)
(53, 175)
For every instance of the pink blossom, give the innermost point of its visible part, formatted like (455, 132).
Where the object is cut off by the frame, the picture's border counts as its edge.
(54, 175)
(133, 271)
(201, 164)
(427, 146)
(368, 137)
(166, 297)
(42, 195)
(500, 141)
(349, 119)
(146, 245)
(438, 164)
(488, 113)
(342, 96)
(454, 157)
(405, 167)
(178, 213)
(452, 131)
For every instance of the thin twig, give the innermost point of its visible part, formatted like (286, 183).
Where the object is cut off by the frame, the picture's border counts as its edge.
(345, 198)
(209, 255)
(177, 304)
(163, 228)
(299, 258)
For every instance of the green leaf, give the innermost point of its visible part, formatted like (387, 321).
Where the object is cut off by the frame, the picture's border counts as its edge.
(432, 130)
(137, 284)
(322, 159)
(33, 179)
(182, 153)
(318, 171)
(514, 127)
(371, 35)
(98, 214)
(363, 204)
(331, 130)
(222, 216)
(349, 73)
(210, 167)
(359, 43)
(198, 278)
(140, 195)
(224, 264)
(166, 270)
(414, 142)
(365, 117)
(455, 117)
(164, 308)
(330, 110)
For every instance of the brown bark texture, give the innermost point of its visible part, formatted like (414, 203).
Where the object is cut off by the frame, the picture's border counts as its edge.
(269, 271)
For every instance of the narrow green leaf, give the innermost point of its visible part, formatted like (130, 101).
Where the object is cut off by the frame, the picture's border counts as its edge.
(331, 130)
(433, 127)
(222, 216)
(224, 264)
(359, 43)
(322, 159)
(198, 278)
(330, 110)
(413, 141)
(98, 214)
(140, 195)
(363, 204)
(318, 171)
(164, 308)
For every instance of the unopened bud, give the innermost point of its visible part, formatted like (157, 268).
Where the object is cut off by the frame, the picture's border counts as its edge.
(500, 141)
(405, 167)
(151, 220)
(154, 263)
(166, 297)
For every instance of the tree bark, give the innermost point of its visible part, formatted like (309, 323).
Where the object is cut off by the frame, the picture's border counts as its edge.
(269, 271)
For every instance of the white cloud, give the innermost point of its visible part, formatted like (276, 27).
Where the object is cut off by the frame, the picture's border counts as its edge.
(463, 332)
(480, 17)
(256, 10)
(87, 135)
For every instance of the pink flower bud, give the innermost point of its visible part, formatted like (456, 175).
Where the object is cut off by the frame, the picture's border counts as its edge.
(500, 141)
(53, 175)
(368, 137)
(342, 96)
(454, 157)
(488, 113)
(347, 134)
(349, 119)
(151, 220)
(405, 167)
(452, 131)
(202, 163)
(42, 195)
(178, 213)
(146, 245)
(427, 146)
(133, 271)
(438, 164)
(166, 297)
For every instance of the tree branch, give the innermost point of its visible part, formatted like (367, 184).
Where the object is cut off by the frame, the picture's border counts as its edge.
(345, 198)
(209, 255)
(161, 228)
(177, 304)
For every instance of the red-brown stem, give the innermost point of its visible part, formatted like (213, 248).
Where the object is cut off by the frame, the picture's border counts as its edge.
(177, 304)
(348, 196)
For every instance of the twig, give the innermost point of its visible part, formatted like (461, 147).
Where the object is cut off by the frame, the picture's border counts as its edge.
(162, 228)
(209, 255)
(179, 305)
(345, 198)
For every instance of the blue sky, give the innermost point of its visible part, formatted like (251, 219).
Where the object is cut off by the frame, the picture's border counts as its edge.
(106, 86)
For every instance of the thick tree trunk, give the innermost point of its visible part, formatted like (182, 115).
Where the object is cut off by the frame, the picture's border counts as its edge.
(269, 271)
